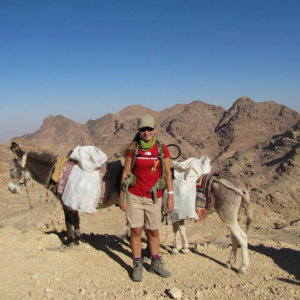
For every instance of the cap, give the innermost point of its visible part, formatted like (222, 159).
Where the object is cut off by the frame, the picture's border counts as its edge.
(146, 121)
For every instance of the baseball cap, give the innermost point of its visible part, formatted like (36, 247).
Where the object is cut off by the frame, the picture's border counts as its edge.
(146, 121)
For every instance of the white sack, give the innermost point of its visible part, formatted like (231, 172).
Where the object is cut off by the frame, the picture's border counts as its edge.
(89, 158)
(83, 190)
(191, 168)
(186, 174)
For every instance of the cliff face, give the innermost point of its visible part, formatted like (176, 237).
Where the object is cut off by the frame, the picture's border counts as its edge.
(247, 123)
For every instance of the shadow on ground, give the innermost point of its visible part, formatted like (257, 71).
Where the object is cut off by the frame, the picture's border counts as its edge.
(109, 244)
(193, 250)
(285, 258)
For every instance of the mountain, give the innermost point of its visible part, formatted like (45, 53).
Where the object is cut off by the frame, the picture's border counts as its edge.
(256, 142)
(198, 128)
(271, 170)
(61, 134)
(247, 123)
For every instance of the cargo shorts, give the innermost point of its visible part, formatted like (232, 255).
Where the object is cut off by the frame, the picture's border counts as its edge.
(141, 211)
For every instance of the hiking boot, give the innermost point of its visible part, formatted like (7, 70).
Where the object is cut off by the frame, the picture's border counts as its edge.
(137, 273)
(157, 267)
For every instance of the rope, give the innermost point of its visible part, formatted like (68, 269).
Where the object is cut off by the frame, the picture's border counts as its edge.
(30, 205)
(164, 217)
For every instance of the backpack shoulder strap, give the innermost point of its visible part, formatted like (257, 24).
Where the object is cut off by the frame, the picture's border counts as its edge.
(160, 147)
(135, 154)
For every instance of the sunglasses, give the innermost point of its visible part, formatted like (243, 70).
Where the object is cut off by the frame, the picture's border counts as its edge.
(149, 129)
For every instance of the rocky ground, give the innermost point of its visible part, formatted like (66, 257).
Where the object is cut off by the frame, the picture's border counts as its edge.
(35, 265)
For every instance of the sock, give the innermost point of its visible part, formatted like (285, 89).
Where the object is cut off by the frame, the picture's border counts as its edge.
(135, 259)
(155, 256)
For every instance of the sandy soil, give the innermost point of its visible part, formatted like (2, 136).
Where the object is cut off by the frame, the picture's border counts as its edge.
(34, 265)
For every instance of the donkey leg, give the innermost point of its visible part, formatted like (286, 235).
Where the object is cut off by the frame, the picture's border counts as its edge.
(77, 227)
(242, 240)
(70, 233)
(185, 248)
(69, 219)
(177, 245)
(245, 253)
(232, 257)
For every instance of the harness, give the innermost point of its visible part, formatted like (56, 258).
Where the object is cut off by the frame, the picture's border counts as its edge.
(160, 183)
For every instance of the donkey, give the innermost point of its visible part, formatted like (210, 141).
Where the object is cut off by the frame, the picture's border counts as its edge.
(38, 166)
(227, 195)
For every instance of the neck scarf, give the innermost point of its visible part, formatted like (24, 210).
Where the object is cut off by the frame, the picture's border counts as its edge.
(145, 146)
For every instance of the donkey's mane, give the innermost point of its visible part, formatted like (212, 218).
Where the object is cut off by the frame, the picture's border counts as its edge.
(44, 155)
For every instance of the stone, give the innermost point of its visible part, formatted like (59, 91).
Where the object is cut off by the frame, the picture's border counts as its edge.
(175, 293)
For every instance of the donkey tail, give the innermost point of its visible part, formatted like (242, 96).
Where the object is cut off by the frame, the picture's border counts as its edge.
(247, 199)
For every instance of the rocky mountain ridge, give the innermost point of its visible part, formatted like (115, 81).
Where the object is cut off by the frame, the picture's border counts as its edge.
(257, 142)
(198, 128)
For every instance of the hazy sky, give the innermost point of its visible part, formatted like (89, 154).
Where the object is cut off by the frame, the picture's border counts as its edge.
(84, 59)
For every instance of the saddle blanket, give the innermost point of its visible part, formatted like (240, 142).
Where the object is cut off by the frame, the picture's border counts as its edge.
(64, 175)
(200, 193)
(203, 188)
(107, 173)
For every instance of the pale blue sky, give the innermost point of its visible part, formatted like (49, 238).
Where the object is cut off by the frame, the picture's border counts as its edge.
(84, 59)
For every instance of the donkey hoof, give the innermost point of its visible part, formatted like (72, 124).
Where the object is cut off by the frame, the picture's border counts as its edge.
(184, 251)
(227, 265)
(73, 244)
(174, 251)
(241, 272)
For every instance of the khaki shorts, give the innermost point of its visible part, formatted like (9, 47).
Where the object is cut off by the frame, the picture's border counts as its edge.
(142, 211)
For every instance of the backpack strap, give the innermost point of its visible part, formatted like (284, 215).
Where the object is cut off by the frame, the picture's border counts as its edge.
(130, 179)
(161, 156)
(135, 154)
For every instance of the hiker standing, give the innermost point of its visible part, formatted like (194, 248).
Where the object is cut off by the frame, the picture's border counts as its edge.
(146, 173)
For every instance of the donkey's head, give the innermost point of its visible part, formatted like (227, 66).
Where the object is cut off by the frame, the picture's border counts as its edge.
(16, 168)
(32, 165)
(18, 162)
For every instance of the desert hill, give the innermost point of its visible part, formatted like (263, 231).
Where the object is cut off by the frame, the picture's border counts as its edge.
(272, 172)
(60, 133)
(199, 128)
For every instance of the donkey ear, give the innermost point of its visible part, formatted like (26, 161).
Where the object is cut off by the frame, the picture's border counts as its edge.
(16, 150)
